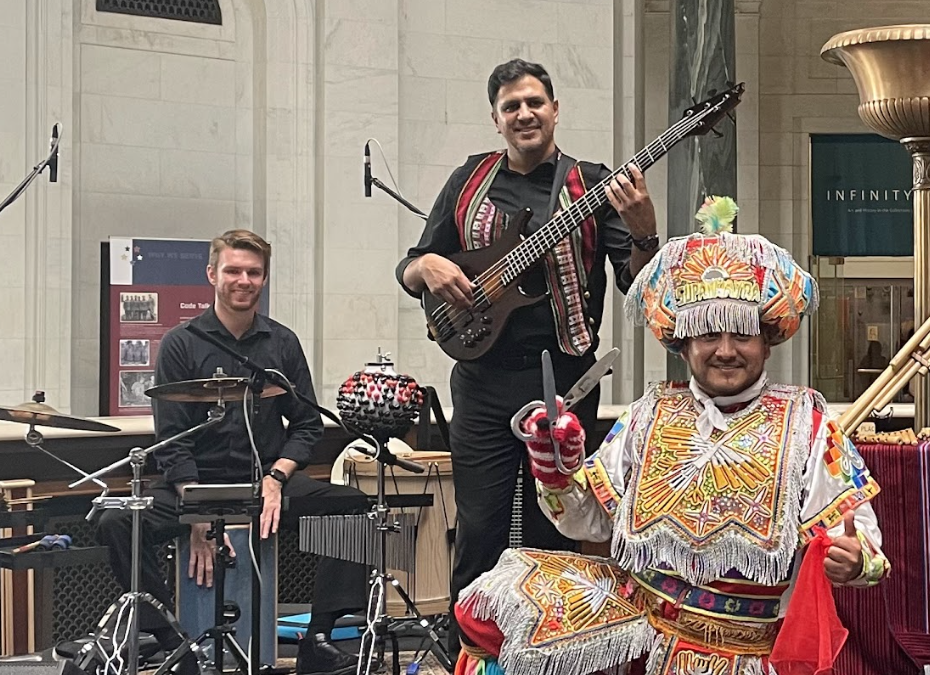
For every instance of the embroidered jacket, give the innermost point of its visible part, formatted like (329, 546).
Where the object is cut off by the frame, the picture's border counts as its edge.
(709, 528)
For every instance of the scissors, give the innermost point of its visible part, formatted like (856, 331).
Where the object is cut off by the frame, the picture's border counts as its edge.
(584, 386)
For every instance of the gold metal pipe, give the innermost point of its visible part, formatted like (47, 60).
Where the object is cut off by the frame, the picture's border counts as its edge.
(904, 365)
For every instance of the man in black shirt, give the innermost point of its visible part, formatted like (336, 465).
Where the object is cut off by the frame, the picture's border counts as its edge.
(238, 269)
(477, 201)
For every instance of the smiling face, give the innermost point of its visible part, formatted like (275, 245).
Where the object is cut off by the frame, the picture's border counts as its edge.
(238, 277)
(725, 364)
(526, 117)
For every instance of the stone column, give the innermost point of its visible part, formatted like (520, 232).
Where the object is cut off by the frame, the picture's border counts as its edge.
(919, 147)
(629, 122)
(703, 59)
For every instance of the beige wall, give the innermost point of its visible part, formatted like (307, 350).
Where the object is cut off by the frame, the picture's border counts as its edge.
(184, 130)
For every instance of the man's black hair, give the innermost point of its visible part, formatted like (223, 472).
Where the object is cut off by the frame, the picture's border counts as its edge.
(512, 71)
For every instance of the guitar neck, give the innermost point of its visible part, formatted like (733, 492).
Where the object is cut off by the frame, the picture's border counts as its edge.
(534, 247)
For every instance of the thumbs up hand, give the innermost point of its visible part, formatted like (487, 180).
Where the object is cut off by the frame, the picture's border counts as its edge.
(844, 557)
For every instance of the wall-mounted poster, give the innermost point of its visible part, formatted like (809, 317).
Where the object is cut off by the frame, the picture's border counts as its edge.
(861, 187)
(153, 285)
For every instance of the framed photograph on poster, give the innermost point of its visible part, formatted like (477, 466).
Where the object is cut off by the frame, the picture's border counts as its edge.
(135, 353)
(148, 286)
(138, 307)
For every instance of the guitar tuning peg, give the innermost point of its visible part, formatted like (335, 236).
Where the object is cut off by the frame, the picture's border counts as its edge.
(716, 133)
(732, 118)
(694, 100)
(711, 92)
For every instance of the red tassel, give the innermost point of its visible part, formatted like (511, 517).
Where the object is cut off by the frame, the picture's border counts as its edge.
(812, 635)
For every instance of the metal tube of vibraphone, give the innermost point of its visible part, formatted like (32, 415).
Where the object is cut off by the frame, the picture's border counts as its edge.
(863, 406)
(897, 383)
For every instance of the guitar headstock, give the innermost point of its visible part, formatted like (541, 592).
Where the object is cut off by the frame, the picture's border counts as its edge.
(701, 117)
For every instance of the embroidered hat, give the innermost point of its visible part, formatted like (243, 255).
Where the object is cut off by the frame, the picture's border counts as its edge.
(717, 281)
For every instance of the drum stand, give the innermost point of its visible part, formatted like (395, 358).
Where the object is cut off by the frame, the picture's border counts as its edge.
(378, 625)
(217, 513)
(106, 649)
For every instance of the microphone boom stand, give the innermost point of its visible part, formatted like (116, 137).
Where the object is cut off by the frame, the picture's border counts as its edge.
(36, 170)
(410, 207)
(371, 180)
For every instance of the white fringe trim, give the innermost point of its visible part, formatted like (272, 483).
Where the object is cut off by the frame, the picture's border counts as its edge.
(668, 545)
(494, 596)
(717, 316)
(745, 665)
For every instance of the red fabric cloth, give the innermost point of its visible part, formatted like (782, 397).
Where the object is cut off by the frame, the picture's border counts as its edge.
(812, 635)
(483, 633)
(888, 623)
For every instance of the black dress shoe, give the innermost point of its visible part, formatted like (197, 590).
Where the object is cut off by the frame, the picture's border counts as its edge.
(316, 655)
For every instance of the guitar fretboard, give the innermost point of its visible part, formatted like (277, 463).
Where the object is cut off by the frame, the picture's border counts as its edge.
(534, 247)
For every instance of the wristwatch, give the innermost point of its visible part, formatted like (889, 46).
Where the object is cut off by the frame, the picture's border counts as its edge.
(647, 243)
(278, 475)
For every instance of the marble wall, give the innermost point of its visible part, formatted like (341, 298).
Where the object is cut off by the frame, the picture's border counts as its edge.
(183, 130)
(36, 47)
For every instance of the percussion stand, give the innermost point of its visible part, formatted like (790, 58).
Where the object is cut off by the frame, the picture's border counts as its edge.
(34, 438)
(131, 602)
(378, 622)
(217, 513)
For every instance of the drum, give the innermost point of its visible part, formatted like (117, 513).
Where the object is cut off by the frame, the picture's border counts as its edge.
(195, 603)
(429, 584)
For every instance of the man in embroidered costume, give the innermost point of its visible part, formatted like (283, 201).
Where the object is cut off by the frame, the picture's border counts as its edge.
(712, 495)
(474, 206)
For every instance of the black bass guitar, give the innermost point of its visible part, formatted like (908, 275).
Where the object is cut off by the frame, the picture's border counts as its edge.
(498, 269)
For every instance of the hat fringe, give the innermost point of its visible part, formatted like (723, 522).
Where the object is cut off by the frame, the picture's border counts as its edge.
(717, 316)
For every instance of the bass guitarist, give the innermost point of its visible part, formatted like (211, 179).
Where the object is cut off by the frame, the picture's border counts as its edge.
(474, 207)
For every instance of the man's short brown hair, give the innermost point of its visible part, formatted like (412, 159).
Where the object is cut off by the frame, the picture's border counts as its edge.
(241, 239)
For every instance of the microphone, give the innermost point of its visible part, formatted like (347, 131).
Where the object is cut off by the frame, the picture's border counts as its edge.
(368, 169)
(53, 156)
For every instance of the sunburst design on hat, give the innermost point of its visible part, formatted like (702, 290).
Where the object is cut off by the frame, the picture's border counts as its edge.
(706, 265)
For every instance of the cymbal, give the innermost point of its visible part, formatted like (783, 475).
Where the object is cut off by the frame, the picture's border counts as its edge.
(208, 390)
(40, 414)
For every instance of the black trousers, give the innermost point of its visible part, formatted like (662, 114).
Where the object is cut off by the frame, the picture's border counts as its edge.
(341, 587)
(486, 457)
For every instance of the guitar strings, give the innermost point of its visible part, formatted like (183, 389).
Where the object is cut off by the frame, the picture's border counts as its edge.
(597, 194)
(522, 253)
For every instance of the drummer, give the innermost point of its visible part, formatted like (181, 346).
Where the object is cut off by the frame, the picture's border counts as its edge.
(238, 270)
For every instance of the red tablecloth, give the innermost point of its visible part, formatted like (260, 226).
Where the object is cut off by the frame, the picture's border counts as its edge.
(889, 624)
